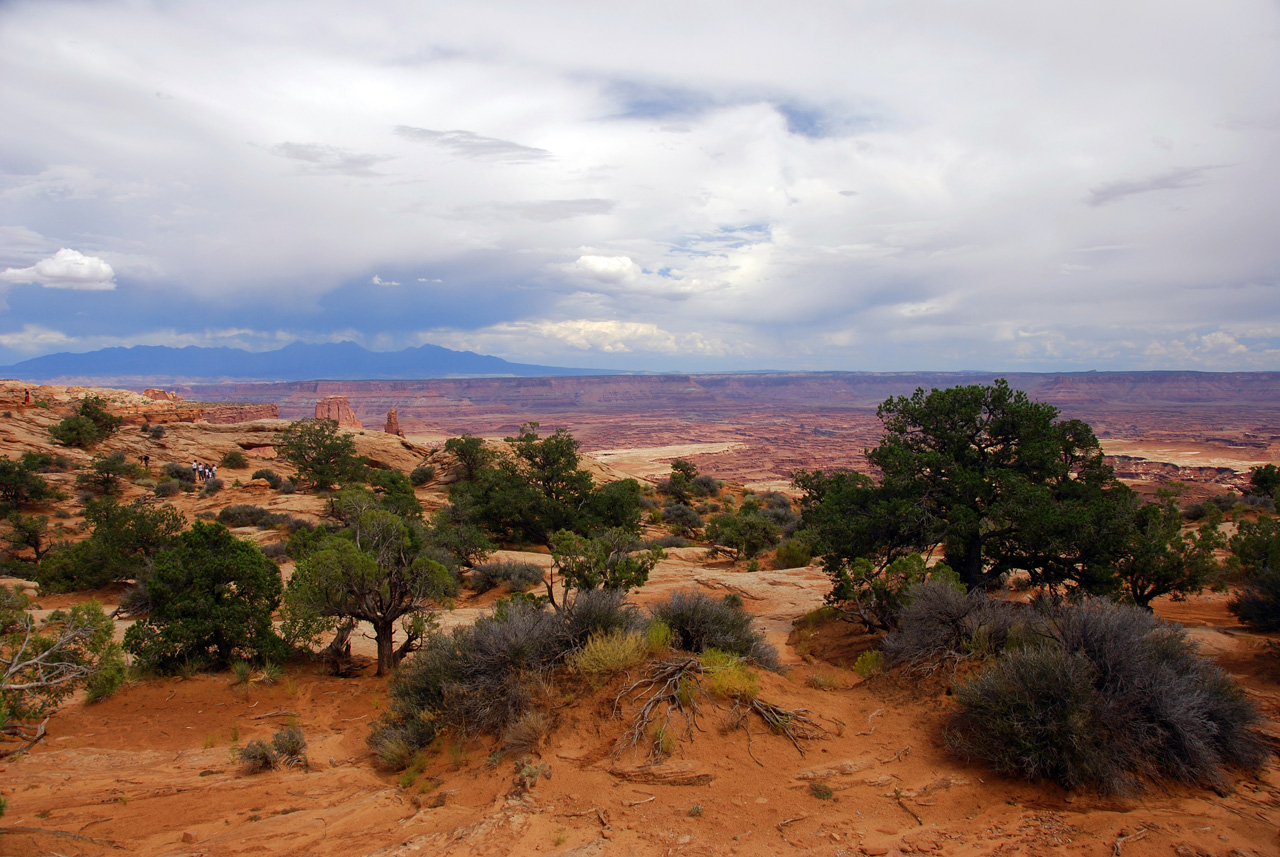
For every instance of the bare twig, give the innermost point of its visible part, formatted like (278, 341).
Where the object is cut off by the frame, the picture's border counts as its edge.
(784, 823)
(897, 796)
(1115, 849)
(796, 724)
(280, 713)
(898, 756)
(638, 802)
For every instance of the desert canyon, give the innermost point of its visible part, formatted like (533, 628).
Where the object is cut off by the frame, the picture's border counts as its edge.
(152, 771)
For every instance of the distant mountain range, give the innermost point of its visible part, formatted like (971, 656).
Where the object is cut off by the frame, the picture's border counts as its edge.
(343, 361)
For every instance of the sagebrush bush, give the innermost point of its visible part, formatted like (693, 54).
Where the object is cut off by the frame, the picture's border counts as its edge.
(699, 623)
(272, 478)
(610, 652)
(793, 553)
(516, 576)
(599, 611)
(257, 756)
(211, 487)
(1111, 698)
(939, 621)
(289, 744)
(234, 460)
(167, 488)
(1257, 604)
(178, 473)
(422, 474)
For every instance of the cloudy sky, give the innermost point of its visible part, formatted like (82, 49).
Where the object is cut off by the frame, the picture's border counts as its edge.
(859, 185)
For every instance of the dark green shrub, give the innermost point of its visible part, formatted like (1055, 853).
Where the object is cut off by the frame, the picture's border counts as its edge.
(1110, 698)
(90, 424)
(324, 455)
(21, 484)
(706, 486)
(273, 479)
(107, 471)
(123, 540)
(212, 596)
(156, 432)
(287, 486)
(794, 553)
(243, 515)
(422, 474)
(234, 460)
(671, 541)
(699, 623)
(179, 473)
(516, 576)
(211, 487)
(1194, 512)
(1256, 546)
(682, 520)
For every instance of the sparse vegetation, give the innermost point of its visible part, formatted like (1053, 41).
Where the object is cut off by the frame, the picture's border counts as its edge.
(272, 478)
(515, 576)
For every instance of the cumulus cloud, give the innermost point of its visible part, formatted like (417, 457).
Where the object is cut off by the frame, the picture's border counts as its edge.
(66, 269)
(378, 281)
(605, 269)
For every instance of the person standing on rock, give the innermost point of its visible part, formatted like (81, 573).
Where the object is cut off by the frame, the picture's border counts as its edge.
(26, 397)
(146, 462)
(195, 470)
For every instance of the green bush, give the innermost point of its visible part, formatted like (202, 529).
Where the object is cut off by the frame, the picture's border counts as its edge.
(1111, 698)
(515, 576)
(211, 487)
(122, 541)
(167, 488)
(107, 471)
(941, 621)
(422, 474)
(699, 623)
(244, 515)
(89, 425)
(794, 553)
(273, 479)
(682, 520)
(1256, 546)
(212, 596)
(234, 460)
(323, 455)
(178, 473)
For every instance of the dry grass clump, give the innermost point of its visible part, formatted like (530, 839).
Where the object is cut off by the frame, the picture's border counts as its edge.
(610, 652)
(524, 737)
(515, 576)
(285, 750)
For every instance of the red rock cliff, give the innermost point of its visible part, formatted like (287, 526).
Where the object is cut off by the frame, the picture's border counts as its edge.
(337, 409)
(393, 424)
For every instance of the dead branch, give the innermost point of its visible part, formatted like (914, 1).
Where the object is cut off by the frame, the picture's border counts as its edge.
(1115, 849)
(675, 683)
(898, 756)
(796, 724)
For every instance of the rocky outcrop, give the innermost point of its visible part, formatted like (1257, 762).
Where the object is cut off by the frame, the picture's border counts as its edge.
(161, 395)
(393, 424)
(226, 414)
(337, 409)
(1137, 469)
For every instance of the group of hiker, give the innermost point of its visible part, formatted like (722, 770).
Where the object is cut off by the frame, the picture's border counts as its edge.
(203, 472)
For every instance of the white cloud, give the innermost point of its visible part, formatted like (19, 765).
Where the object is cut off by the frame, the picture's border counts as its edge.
(378, 281)
(901, 181)
(66, 269)
(586, 335)
(35, 338)
(605, 269)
